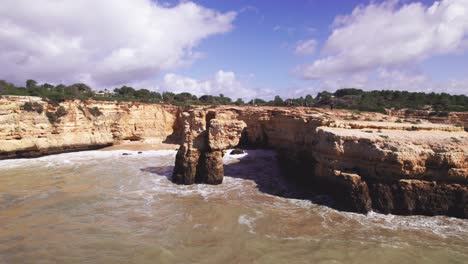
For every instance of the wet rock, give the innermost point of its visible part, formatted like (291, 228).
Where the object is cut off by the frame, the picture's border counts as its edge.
(186, 165)
(361, 171)
(211, 169)
(237, 151)
(349, 191)
(206, 136)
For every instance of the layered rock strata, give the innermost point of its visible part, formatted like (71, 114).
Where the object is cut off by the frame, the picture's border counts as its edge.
(364, 161)
(30, 133)
(206, 134)
(364, 165)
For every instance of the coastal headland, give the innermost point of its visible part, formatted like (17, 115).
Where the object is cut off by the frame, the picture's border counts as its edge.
(390, 163)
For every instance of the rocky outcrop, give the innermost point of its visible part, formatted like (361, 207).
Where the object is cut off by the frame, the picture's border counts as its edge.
(364, 165)
(206, 134)
(364, 162)
(26, 133)
(456, 118)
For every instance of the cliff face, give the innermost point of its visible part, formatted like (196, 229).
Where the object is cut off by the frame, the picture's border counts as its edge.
(389, 167)
(206, 133)
(30, 133)
(364, 161)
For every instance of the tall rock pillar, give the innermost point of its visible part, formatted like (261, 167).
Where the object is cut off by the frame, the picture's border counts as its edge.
(206, 136)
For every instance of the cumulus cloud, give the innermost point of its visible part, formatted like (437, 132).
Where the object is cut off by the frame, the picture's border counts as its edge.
(390, 35)
(306, 47)
(106, 42)
(384, 79)
(223, 82)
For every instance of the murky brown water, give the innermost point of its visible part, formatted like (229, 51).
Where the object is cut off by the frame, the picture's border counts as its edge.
(102, 207)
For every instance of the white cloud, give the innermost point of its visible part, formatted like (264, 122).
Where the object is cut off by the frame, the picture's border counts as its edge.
(222, 82)
(306, 47)
(389, 36)
(383, 79)
(105, 42)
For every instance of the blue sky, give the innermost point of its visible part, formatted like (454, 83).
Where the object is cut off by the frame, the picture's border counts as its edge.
(242, 48)
(261, 46)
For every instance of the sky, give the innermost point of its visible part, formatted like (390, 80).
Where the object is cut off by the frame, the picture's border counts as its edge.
(239, 48)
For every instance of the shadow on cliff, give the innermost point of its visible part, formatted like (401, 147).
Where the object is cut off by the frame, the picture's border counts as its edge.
(177, 129)
(263, 168)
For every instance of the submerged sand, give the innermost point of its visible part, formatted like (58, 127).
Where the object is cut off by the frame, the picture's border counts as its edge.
(141, 146)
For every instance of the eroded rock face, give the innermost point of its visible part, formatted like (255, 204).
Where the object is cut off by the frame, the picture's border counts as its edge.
(389, 167)
(30, 134)
(206, 135)
(400, 168)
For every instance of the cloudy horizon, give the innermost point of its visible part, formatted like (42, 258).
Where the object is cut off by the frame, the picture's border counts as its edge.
(247, 49)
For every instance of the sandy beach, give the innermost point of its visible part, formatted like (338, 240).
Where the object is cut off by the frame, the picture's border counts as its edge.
(141, 146)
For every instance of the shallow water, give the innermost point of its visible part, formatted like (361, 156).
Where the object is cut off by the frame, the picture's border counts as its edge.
(102, 207)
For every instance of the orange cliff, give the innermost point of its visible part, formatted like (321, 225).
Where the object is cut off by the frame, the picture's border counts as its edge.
(364, 161)
(29, 133)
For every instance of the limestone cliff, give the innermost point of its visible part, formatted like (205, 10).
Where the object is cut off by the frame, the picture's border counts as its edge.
(26, 133)
(365, 161)
(205, 135)
(390, 167)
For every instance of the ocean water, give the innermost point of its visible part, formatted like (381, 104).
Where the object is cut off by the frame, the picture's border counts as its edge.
(103, 207)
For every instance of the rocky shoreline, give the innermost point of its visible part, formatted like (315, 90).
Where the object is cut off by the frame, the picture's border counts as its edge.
(363, 165)
(364, 161)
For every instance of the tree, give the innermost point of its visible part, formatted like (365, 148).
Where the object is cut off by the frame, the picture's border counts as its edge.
(257, 101)
(143, 94)
(156, 96)
(239, 101)
(30, 84)
(48, 86)
(207, 99)
(324, 98)
(348, 91)
(278, 101)
(125, 91)
(168, 97)
(183, 97)
(60, 88)
(309, 100)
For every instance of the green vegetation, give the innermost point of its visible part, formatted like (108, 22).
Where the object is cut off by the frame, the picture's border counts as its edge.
(33, 107)
(350, 98)
(378, 101)
(81, 109)
(95, 111)
(54, 117)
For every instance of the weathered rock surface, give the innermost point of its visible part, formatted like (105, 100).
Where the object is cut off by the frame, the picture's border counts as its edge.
(205, 135)
(389, 167)
(29, 134)
(364, 161)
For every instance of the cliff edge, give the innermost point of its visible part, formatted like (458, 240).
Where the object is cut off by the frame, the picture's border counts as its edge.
(364, 161)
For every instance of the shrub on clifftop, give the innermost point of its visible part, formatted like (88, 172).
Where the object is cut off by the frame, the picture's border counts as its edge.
(349, 98)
